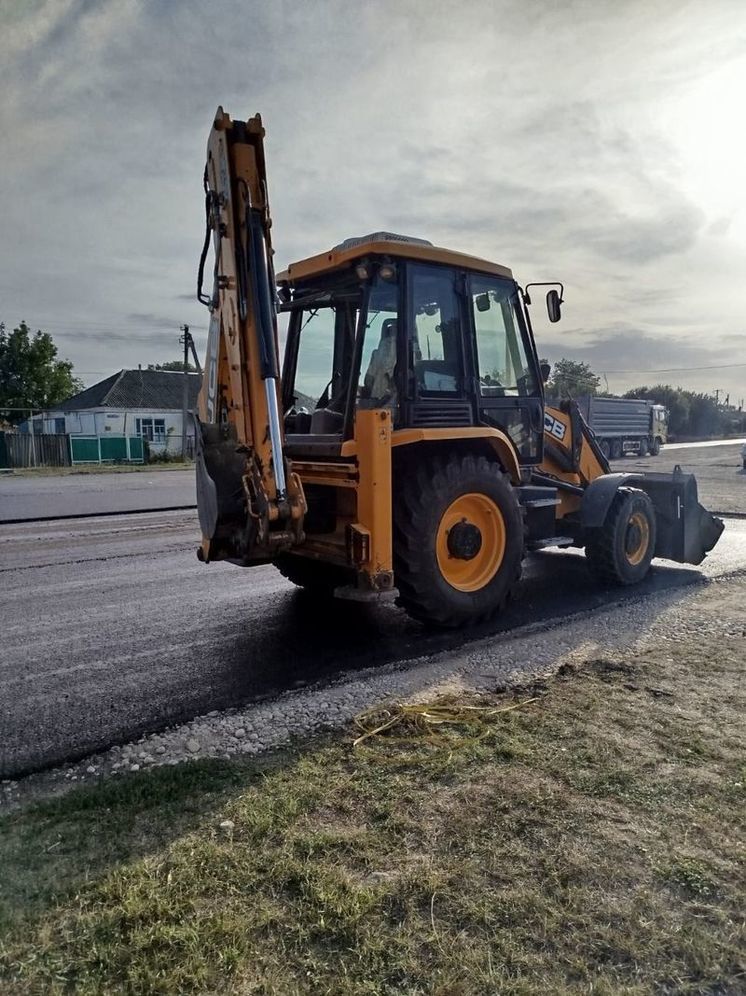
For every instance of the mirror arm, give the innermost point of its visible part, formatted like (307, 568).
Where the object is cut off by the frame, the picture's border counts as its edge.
(545, 283)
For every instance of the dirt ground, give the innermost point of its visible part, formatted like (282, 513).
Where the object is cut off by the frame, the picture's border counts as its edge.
(718, 469)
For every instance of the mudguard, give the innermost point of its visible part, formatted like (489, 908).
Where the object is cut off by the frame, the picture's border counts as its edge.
(686, 531)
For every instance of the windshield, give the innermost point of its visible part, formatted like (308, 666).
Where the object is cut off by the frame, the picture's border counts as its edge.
(315, 356)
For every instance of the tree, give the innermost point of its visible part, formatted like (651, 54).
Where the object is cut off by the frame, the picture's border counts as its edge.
(689, 413)
(31, 376)
(172, 365)
(571, 379)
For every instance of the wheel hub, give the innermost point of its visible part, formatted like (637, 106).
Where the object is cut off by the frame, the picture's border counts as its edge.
(636, 538)
(464, 540)
(470, 542)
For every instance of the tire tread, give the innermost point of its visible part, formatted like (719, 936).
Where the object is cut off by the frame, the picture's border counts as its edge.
(430, 477)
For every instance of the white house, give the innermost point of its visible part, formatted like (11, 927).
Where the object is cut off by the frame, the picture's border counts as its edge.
(145, 403)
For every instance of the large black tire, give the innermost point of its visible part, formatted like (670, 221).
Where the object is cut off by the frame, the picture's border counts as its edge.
(428, 549)
(605, 448)
(616, 449)
(315, 577)
(644, 447)
(656, 447)
(619, 553)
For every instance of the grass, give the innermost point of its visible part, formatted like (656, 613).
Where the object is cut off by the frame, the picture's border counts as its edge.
(101, 468)
(588, 842)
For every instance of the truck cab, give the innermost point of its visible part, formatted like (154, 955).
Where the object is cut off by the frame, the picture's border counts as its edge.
(658, 428)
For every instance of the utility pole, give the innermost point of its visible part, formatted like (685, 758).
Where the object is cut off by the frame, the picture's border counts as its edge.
(185, 391)
(188, 343)
(33, 441)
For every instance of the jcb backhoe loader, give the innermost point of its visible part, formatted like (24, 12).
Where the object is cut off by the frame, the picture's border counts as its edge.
(407, 443)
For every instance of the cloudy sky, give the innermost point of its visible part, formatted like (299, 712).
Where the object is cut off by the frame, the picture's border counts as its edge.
(598, 143)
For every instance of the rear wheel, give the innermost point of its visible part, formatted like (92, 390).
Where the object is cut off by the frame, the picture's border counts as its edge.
(656, 447)
(605, 448)
(644, 447)
(458, 539)
(616, 449)
(621, 550)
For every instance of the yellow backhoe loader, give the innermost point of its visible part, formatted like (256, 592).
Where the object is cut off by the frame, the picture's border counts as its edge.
(406, 443)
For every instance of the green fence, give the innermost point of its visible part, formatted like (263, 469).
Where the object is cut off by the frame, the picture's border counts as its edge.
(106, 449)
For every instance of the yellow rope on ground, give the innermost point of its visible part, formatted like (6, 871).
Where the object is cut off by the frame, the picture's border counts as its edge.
(423, 720)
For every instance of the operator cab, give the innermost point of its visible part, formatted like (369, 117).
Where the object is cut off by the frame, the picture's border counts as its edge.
(439, 338)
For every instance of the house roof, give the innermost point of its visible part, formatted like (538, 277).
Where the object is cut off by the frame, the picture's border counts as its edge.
(159, 390)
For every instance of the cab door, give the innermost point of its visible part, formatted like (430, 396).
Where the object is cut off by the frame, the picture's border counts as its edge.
(439, 376)
(509, 395)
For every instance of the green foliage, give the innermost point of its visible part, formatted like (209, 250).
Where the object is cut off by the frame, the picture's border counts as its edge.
(690, 413)
(31, 376)
(571, 379)
(172, 365)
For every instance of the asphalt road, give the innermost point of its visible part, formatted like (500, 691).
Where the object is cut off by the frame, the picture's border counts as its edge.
(112, 628)
(717, 465)
(26, 496)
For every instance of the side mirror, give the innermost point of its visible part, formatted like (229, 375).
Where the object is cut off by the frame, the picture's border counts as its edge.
(554, 305)
(545, 369)
(482, 302)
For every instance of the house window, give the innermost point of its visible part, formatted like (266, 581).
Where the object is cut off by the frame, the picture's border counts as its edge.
(152, 429)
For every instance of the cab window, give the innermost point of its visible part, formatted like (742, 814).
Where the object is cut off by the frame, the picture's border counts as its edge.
(378, 365)
(504, 369)
(436, 324)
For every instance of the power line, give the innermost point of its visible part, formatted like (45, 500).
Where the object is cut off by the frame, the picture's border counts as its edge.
(660, 370)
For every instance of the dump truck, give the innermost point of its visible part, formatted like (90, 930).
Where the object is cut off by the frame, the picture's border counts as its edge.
(625, 426)
(404, 443)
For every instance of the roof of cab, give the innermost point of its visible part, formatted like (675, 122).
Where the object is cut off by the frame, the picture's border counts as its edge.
(386, 244)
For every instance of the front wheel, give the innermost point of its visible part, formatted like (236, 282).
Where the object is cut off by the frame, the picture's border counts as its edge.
(620, 551)
(458, 539)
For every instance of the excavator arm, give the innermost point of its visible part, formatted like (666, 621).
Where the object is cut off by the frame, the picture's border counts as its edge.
(251, 506)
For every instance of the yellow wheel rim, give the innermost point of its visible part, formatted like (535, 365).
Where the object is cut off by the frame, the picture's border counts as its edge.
(469, 560)
(637, 538)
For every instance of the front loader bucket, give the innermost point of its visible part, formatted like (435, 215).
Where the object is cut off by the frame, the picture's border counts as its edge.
(686, 530)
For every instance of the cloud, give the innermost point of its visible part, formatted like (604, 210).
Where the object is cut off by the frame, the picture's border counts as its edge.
(537, 141)
(626, 356)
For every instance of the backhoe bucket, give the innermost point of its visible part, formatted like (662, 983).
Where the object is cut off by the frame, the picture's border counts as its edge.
(686, 530)
(221, 505)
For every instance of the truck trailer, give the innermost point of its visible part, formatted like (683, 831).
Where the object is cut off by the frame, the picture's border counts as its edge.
(626, 425)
